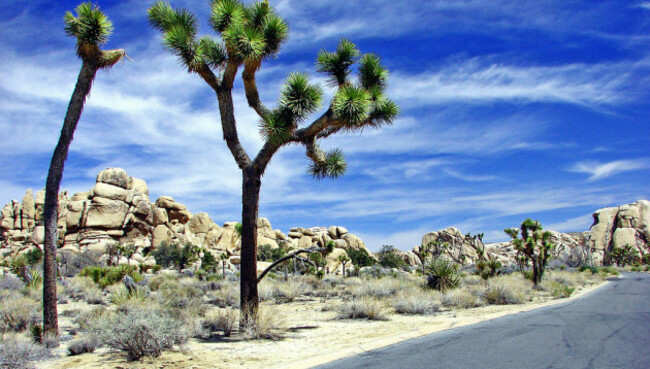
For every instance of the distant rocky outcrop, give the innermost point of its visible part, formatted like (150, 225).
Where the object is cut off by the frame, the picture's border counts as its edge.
(613, 227)
(118, 210)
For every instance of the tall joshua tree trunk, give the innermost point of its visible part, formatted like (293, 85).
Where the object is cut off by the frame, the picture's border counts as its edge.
(51, 206)
(250, 202)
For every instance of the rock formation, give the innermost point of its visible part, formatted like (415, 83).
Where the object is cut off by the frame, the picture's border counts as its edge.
(118, 210)
(613, 227)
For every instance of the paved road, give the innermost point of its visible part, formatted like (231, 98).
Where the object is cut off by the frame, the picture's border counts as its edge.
(608, 328)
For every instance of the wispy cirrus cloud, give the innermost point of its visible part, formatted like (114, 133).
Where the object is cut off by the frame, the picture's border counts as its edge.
(481, 81)
(598, 170)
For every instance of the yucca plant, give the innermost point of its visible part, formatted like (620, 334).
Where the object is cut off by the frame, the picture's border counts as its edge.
(247, 35)
(91, 28)
(534, 245)
(442, 275)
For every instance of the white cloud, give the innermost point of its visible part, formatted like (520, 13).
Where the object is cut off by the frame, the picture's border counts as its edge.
(577, 224)
(598, 170)
(481, 81)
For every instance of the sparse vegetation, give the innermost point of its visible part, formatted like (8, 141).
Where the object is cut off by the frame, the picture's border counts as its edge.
(534, 245)
(141, 332)
(442, 275)
(362, 308)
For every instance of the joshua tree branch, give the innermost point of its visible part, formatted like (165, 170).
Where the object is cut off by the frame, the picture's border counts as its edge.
(250, 86)
(308, 250)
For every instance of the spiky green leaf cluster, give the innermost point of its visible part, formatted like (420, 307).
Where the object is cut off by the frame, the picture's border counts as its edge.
(333, 166)
(337, 64)
(352, 104)
(299, 97)
(277, 126)
(371, 73)
(91, 27)
(251, 32)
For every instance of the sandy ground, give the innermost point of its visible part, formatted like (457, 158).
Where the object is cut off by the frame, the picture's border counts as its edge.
(314, 338)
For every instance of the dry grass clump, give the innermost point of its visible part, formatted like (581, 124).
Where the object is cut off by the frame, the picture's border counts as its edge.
(462, 299)
(382, 287)
(507, 290)
(19, 353)
(83, 345)
(141, 332)
(223, 321)
(157, 280)
(290, 290)
(182, 298)
(226, 296)
(472, 280)
(17, 312)
(364, 307)
(567, 278)
(417, 303)
(267, 324)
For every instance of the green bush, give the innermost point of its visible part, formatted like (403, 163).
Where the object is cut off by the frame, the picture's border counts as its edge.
(17, 313)
(106, 276)
(626, 255)
(388, 258)
(360, 257)
(172, 254)
(442, 275)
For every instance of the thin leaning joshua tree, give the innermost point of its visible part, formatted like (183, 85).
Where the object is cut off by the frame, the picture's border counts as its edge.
(91, 27)
(250, 34)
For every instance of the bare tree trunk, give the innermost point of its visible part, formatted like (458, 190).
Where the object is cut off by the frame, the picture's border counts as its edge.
(250, 201)
(51, 206)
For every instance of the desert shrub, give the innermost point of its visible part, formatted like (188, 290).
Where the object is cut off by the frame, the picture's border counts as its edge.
(141, 332)
(499, 293)
(361, 308)
(473, 280)
(173, 254)
(84, 288)
(86, 344)
(88, 319)
(226, 296)
(34, 256)
(461, 299)
(10, 283)
(106, 276)
(155, 281)
(121, 296)
(17, 353)
(183, 299)
(558, 290)
(265, 324)
(608, 270)
(360, 257)
(626, 255)
(290, 289)
(388, 257)
(383, 287)
(418, 302)
(221, 321)
(18, 312)
(442, 275)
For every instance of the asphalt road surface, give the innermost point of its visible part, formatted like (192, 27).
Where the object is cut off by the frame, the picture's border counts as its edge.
(608, 328)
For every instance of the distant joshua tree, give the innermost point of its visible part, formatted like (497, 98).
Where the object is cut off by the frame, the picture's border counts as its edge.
(91, 27)
(534, 245)
(250, 34)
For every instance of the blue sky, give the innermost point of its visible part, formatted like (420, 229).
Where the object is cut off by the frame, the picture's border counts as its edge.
(510, 109)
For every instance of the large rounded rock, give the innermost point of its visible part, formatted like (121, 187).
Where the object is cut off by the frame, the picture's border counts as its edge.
(138, 186)
(161, 234)
(109, 191)
(104, 213)
(114, 176)
(200, 223)
(168, 202)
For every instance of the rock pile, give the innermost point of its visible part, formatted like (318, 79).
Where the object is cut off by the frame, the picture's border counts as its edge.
(613, 227)
(118, 210)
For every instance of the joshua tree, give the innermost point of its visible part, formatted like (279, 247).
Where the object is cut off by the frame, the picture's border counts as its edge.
(250, 34)
(344, 259)
(534, 245)
(223, 257)
(91, 28)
